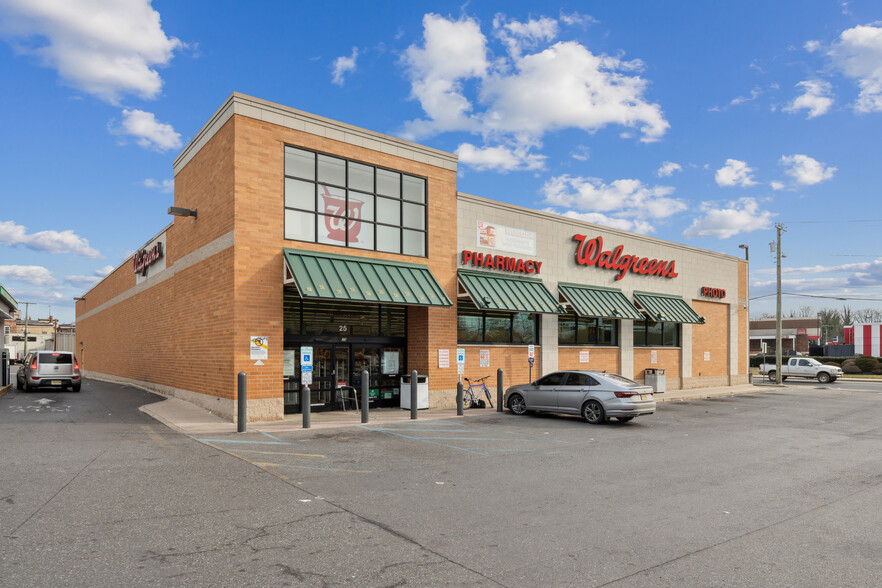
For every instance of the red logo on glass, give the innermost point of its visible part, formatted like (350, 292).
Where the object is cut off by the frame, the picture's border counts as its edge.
(335, 208)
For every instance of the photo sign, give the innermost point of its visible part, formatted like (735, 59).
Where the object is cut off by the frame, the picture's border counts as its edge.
(493, 236)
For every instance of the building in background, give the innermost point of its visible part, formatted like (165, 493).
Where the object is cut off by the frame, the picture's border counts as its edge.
(305, 249)
(865, 337)
(796, 335)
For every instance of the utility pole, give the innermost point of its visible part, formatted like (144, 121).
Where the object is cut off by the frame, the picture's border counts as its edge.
(27, 316)
(778, 379)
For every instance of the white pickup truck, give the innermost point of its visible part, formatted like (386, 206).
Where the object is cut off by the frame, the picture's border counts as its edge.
(803, 367)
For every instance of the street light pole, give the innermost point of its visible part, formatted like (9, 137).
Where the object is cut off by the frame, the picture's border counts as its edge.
(778, 379)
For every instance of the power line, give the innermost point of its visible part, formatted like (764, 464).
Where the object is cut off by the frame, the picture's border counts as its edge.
(817, 296)
(827, 222)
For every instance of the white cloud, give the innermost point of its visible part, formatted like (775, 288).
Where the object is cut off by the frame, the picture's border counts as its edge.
(165, 186)
(668, 168)
(806, 170)
(149, 132)
(735, 173)
(754, 94)
(501, 158)
(576, 18)
(34, 275)
(343, 65)
(105, 49)
(519, 36)
(815, 98)
(452, 51)
(566, 86)
(624, 224)
(811, 46)
(858, 54)
(582, 153)
(627, 204)
(777, 185)
(740, 216)
(50, 241)
(562, 86)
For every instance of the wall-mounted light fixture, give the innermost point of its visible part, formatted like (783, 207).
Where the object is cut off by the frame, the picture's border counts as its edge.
(746, 251)
(178, 211)
(79, 298)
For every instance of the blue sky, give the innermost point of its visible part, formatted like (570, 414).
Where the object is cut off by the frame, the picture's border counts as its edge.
(694, 122)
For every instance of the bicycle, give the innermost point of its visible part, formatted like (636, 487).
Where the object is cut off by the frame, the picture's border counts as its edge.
(472, 400)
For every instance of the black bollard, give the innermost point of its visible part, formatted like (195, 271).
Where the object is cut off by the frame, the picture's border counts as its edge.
(243, 403)
(306, 406)
(413, 395)
(459, 399)
(365, 395)
(499, 390)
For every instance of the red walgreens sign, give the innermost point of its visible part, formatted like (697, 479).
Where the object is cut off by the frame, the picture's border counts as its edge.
(145, 258)
(501, 262)
(590, 252)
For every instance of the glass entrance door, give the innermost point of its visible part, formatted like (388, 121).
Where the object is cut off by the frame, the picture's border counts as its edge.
(330, 371)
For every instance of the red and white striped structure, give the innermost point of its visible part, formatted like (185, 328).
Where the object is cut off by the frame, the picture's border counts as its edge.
(865, 337)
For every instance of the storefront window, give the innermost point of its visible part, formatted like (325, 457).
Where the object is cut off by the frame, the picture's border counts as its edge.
(580, 330)
(653, 334)
(339, 202)
(306, 317)
(477, 326)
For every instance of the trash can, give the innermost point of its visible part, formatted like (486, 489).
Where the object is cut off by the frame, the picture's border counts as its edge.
(656, 378)
(422, 385)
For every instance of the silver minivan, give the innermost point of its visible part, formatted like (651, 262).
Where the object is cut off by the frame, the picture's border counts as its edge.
(49, 369)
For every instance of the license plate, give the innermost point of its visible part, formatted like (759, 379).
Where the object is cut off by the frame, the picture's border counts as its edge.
(646, 397)
(56, 382)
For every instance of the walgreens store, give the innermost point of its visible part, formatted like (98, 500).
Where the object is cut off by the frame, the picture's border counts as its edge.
(294, 231)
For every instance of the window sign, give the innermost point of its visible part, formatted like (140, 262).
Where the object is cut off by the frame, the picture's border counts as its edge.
(289, 359)
(493, 236)
(390, 362)
(259, 347)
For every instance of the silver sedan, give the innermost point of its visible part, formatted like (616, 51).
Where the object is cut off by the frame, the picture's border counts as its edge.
(597, 396)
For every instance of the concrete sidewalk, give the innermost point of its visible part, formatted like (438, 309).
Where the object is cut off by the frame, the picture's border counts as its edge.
(193, 420)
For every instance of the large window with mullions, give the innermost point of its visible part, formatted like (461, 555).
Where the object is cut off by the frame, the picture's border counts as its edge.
(336, 201)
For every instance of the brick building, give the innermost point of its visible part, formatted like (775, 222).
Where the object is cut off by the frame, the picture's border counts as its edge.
(310, 233)
(796, 335)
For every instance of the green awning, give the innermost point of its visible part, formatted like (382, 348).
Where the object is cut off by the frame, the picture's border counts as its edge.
(511, 293)
(667, 308)
(597, 301)
(325, 276)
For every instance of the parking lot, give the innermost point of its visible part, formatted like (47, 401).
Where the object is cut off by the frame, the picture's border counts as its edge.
(779, 487)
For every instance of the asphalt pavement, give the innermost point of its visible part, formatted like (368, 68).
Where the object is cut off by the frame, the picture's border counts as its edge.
(778, 486)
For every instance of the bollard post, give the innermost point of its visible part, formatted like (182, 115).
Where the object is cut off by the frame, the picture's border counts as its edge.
(365, 395)
(243, 403)
(413, 395)
(459, 399)
(499, 390)
(306, 406)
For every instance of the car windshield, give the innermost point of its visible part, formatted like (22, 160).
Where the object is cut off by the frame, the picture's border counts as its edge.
(621, 379)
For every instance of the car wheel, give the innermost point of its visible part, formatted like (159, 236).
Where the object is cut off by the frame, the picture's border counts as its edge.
(624, 419)
(592, 412)
(25, 387)
(18, 385)
(823, 377)
(517, 405)
(771, 374)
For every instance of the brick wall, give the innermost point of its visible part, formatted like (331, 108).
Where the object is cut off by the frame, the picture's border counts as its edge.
(600, 358)
(712, 337)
